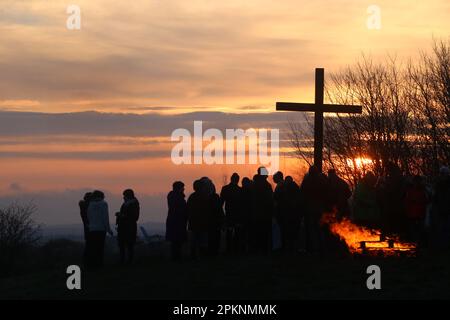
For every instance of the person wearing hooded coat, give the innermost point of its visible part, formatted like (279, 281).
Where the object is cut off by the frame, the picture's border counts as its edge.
(176, 223)
(126, 221)
(215, 216)
(314, 190)
(198, 219)
(231, 197)
(262, 213)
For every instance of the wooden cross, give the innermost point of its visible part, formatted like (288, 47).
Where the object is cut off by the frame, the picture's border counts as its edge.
(318, 107)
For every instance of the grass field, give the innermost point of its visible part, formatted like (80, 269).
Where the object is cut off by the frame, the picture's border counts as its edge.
(153, 276)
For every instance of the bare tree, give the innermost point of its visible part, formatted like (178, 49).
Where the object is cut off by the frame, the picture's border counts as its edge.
(18, 231)
(405, 117)
(300, 138)
(429, 100)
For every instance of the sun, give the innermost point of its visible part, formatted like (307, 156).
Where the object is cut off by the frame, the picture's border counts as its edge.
(359, 162)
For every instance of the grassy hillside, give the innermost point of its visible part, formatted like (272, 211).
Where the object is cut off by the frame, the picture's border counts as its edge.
(153, 276)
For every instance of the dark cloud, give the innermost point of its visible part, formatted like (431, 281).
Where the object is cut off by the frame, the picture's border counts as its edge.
(87, 155)
(156, 108)
(15, 187)
(251, 108)
(131, 125)
(147, 135)
(11, 16)
(80, 139)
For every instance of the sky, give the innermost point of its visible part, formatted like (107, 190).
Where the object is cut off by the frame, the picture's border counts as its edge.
(95, 107)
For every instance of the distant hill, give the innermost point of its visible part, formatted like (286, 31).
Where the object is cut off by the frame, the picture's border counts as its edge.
(74, 232)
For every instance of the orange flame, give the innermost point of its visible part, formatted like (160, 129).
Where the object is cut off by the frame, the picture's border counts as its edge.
(358, 237)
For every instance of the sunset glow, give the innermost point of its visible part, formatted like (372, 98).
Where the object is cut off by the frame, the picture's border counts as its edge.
(95, 107)
(359, 163)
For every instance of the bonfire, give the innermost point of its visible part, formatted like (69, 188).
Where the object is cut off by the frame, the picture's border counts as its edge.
(360, 239)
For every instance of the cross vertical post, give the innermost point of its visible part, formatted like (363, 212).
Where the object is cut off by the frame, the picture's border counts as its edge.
(318, 119)
(319, 108)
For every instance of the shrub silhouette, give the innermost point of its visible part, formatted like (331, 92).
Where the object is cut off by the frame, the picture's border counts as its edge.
(18, 232)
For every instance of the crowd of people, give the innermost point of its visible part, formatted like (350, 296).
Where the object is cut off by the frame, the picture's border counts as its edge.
(411, 206)
(393, 203)
(242, 216)
(246, 213)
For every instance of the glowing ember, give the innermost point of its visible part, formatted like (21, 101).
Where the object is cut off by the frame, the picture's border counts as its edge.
(359, 238)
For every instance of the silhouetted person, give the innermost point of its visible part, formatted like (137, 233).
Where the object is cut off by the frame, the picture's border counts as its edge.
(262, 213)
(176, 222)
(198, 219)
(280, 206)
(84, 204)
(231, 196)
(441, 208)
(290, 215)
(289, 179)
(126, 221)
(314, 192)
(366, 209)
(295, 213)
(98, 217)
(246, 213)
(391, 193)
(339, 193)
(215, 216)
(416, 201)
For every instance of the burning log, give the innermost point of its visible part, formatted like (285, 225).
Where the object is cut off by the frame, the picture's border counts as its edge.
(364, 240)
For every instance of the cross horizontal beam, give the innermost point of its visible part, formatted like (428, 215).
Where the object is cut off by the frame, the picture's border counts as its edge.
(312, 107)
